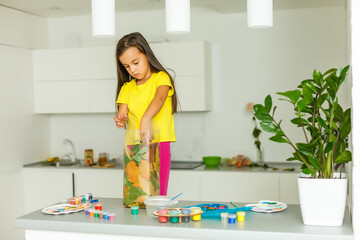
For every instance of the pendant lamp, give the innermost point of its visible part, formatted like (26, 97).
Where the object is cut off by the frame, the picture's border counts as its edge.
(103, 17)
(177, 16)
(260, 13)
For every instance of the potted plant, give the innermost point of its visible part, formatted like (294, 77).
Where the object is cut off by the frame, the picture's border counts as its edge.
(324, 151)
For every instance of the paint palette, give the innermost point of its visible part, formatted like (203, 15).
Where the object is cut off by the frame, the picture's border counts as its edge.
(65, 208)
(267, 206)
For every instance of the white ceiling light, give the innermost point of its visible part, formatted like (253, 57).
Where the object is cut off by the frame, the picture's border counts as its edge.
(260, 13)
(177, 16)
(103, 17)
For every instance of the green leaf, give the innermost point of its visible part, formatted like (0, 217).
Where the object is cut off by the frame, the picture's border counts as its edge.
(260, 109)
(269, 127)
(137, 158)
(329, 147)
(291, 159)
(309, 171)
(321, 100)
(256, 132)
(318, 78)
(322, 122)
(344, 157)
(314, 163)
(268, 103)
(310, 85)
(332, 70)
(278, 139)
(292, 95)
(301, 105)
(307, 94)
(345, 129)
(263, 117)
(273, 112)
(298, 121)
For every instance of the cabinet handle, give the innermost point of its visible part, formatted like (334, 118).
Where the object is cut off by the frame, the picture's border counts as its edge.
(73, 184)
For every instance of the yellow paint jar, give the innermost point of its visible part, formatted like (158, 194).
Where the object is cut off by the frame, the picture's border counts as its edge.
(240, 216)
(196, 210)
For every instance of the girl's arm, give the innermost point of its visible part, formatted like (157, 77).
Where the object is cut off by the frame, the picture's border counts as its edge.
(146, 131)
(122, 116)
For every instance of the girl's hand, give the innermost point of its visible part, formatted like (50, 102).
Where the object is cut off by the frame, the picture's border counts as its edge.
(121, 120)
(146, 131)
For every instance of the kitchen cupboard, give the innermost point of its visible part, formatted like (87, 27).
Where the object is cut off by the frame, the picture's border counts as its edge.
(235, 187)
(44, 187)
(99, 182)
(83, 80)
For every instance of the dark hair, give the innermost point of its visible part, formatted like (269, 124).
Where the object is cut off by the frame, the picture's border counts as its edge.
(137, 40)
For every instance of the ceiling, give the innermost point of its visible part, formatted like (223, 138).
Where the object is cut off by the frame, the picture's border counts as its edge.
(61, 8)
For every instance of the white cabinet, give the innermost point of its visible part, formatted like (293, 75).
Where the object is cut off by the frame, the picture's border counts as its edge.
(44, 187)
(83, 80)
(99, 182)
(186, 182)
(239, 187)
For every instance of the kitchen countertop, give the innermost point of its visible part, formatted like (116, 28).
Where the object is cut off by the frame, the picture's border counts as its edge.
(285, 225)
(222, 168)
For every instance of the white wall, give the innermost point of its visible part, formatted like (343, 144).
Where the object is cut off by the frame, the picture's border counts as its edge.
(24, 137)
(355, 62)
(247, 64)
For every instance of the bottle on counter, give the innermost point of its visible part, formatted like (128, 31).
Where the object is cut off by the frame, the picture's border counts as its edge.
(89, 157)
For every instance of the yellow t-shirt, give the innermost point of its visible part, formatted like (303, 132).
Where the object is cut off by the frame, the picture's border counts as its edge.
(138, 99)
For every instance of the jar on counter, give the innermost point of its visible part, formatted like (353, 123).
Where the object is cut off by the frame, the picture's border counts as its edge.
(89, 157)
(102, 159)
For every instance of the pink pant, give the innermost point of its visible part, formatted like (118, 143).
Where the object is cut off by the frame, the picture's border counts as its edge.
(165, 163)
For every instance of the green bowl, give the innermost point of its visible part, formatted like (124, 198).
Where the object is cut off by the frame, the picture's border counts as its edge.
(211, 161)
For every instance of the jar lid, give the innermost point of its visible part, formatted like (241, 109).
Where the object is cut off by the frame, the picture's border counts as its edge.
(232, 216)
(224, 214)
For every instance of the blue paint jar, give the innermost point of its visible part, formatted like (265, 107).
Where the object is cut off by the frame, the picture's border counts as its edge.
(185, 211)
(174, 213)
(232, 218)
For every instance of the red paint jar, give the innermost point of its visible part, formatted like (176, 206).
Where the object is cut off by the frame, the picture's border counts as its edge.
(98, 206)
(163, 219)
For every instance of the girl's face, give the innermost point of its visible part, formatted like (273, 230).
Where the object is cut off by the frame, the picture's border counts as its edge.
(136, 63)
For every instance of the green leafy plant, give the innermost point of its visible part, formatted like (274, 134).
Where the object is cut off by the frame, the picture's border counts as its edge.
(324, 123)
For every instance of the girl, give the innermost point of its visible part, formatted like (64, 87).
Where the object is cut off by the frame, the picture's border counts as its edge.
(145, 97)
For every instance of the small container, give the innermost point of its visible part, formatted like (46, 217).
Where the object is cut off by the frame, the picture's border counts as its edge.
(102, 159)
(240, 216)
(98, 206)
(185, 211)
(196, 210)
(134, 210)
(156, 202)
(111, 216)
(72, 201)
(89, 157)
(232, 218)
(87, 211)
(163, 211)
(96, 213)
(83, 198)
(89, 196)
(224, 217)
(106, 215)
(91, 212)
(174, 213)
(101, 214)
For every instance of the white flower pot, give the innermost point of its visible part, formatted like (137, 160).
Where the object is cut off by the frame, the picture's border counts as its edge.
(322, 201)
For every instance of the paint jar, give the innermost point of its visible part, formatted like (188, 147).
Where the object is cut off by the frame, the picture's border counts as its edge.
(232, 218)
(83, 198)
(224, 217)
(87, 211)
(96, 213)
(98, 206)
(240, 216)
(163, 211)
(111, 216)
(185, 211)
(89, 196)
(196, 210)
(106, 215)
(174, 213)
(101, 214)
(91, 212)
(134, 210)
(72, 201)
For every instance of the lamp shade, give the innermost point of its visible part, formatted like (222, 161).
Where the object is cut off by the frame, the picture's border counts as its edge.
(177, 16)
(103, 17)
(260, 13)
